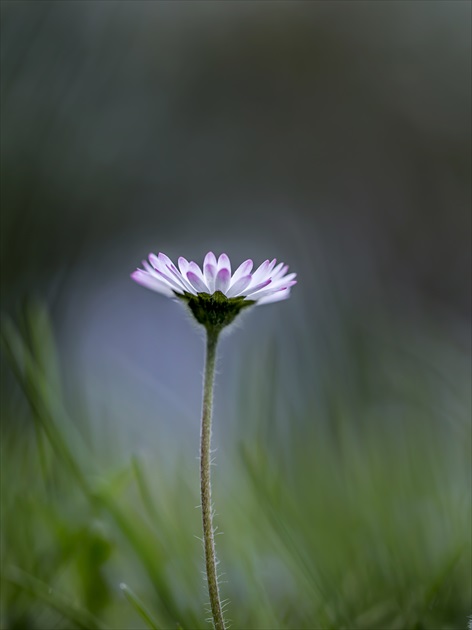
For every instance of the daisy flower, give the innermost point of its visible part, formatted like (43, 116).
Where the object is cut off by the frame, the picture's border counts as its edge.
(268, 283)
(215, 296)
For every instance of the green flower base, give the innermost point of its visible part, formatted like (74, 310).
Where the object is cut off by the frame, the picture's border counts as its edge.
(215, 311)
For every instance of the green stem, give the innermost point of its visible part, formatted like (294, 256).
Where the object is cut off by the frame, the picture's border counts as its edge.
(205, 480)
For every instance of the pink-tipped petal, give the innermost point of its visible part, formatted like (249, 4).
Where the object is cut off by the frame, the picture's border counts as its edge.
(160, 264)
(278, 296)
(148, 267)
(237, 288)
(283, 281)
(261, 273)
(182, 280)
(183, 265)
(153, 259)
(175, 284)
(253, 289)
(168, 264)
(210, 259)
(244, 269)
(224, 263)
(150, 282)
(222, 279)
(277, 271)
(209, 273)
(271, 289)
(195, 269)
(197, 282)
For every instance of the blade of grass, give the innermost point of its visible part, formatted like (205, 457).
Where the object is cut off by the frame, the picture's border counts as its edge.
(139, 606)
(137, 533)
(37, 392)
(143, 488)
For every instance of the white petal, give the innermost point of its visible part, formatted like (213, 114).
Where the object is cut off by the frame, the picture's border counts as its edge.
(222, 280)
(224, 263)
(148, 268)
(159, 271)
(209, 273)
(237, 288)
(153, 259)
(176, 284)
(244, 269)
(260, 273)
(166, 260)
(182, 280)
(253, 289)
(166, 272)
(166, 279)
(210, 259)
(277, 271)
(278, 283)
(197, 282)
(150, 282)
(270, 289)
(183, 265)
(160, 265)
(195, 269)
(282, 294)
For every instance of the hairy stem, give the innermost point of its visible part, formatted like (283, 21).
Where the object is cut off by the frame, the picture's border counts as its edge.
(205, 480)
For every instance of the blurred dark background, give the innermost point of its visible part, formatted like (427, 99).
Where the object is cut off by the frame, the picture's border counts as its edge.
(340, 126)
(333, 135)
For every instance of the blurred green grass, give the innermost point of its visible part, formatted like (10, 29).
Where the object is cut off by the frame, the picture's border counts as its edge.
(355, 518)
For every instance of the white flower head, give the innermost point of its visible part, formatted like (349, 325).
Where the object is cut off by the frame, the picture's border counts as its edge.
(215, 295)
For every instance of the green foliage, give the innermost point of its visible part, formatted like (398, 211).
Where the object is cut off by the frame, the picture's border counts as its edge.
(357, 517)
